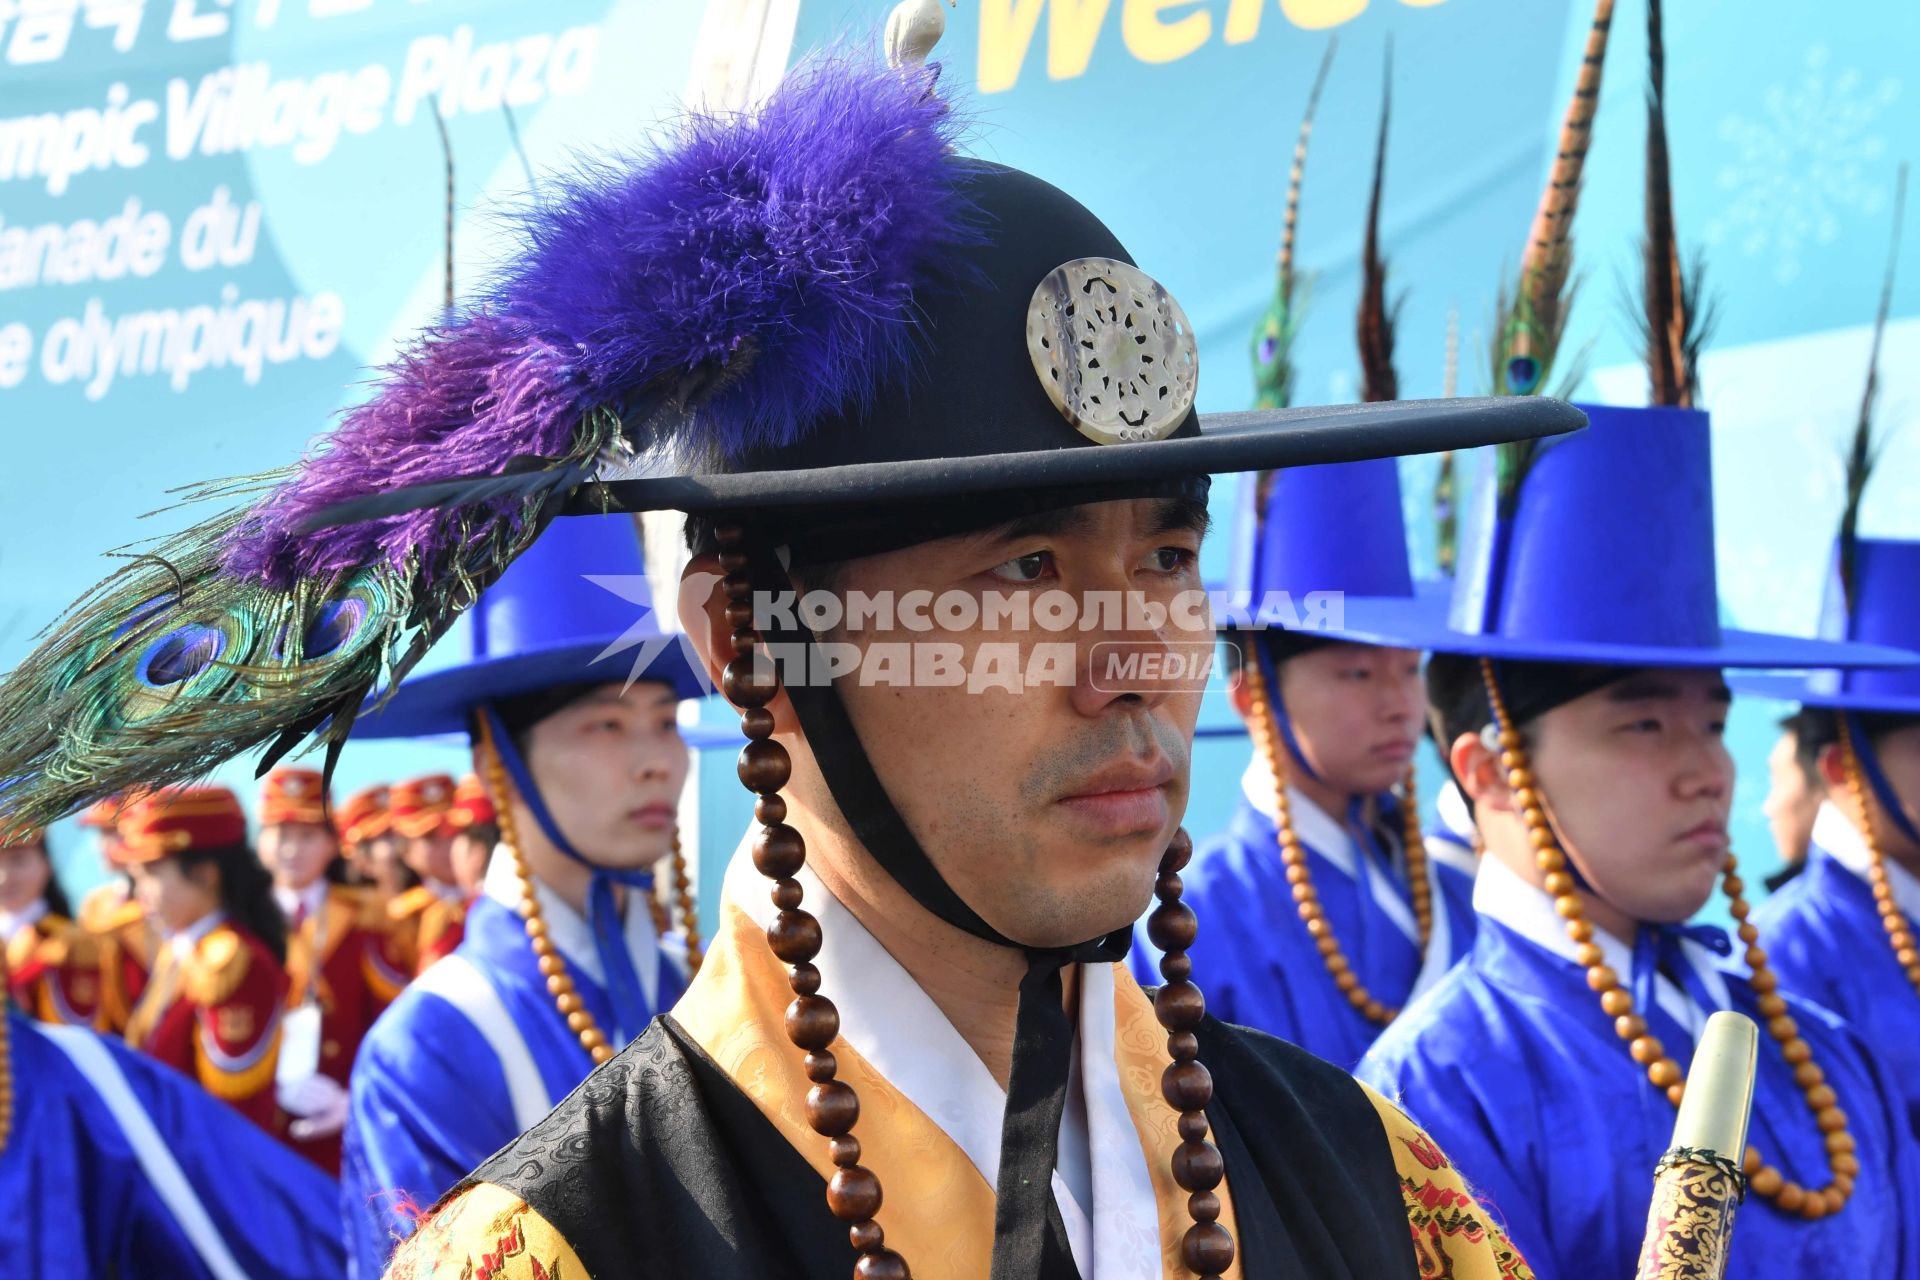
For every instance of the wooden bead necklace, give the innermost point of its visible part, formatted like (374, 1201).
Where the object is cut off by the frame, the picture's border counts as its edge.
(1663, 1072)
(1266, 738)
(6, 1061)
(1899, 932)
(553, 965)
(751, 681)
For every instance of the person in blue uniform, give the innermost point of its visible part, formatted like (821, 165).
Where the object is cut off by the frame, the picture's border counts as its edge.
(1330, 915)
(112, 1164)
(1842, 933)
(1584, 717)
(564, 958)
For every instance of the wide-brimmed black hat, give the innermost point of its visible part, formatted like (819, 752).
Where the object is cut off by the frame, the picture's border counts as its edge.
(974, 411)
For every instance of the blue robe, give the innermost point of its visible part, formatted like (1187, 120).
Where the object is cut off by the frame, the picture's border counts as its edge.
(79, 1203)
(1258, 965)
(1516, 1071)
(1827, 944)
(431, 1098)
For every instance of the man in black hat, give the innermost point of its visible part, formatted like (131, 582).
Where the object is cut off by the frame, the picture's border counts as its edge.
(950, 808)
(937, 436)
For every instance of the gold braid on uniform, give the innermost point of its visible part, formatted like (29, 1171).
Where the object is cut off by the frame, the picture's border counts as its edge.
(1266, 737)
(1899, 932)
(553, 966)
(1763, 1179)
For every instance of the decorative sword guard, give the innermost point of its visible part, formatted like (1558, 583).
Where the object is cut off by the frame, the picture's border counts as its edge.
(1698, 1184)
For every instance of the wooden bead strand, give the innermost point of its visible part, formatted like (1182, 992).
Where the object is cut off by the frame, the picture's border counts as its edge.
(1207, 1247)
(1892, 920)
(750, 681)
(1663, 1072)
(553, 965)
(684, 909)
(1266, 737)
(6, 1061)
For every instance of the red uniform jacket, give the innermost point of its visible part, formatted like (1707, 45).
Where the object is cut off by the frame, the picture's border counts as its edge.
(53, 969)
(214, 1015)
(127, 947)
(351, 983)
(426, 926)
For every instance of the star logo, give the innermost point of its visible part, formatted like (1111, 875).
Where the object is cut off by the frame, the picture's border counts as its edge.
(644, 635)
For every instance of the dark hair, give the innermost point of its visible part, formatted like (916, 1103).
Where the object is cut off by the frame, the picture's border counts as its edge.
(1278, 645)
(1814, 729)
(55, 897)
(246, 892)
(487, 833)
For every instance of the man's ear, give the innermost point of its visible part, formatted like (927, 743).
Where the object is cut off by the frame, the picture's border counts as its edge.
(1832, 764)
(1239, 696)
(1478, 768)
(703, 616)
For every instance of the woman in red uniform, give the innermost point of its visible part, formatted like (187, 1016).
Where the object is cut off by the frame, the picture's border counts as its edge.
(53, 965)
(116, 923)
(434, 912)
(338, 980)
(212, 1007)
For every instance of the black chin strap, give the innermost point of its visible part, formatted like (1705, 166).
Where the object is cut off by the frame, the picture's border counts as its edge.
(1029, 1237)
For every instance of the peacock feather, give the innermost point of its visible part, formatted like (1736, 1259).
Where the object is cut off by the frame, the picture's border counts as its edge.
(1378, 316)
(1280, 323)
(1863, 451)
(722, 291)
(1532, 313)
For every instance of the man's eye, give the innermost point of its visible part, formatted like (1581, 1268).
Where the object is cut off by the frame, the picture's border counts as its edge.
(1171, 559)
(1648, 725)
(1027, 568)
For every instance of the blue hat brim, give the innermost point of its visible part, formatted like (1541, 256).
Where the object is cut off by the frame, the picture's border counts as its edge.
(1785, 687)
(1418, 621)
(440, 702)
(1737, 649)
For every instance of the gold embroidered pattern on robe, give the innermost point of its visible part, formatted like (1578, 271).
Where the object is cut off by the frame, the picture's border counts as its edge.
(485, 1233)
(1454, 1236)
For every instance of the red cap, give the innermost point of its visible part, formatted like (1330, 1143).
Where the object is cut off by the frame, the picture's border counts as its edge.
(293, 795)
(471, 804)
(364, 815)
(103, 815)
(419, 806)
(176, 819)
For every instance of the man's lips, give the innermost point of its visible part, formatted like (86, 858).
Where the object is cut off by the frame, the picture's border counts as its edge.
(1399, 751)
(1124, 798)
(1711, 834)
(658, 814)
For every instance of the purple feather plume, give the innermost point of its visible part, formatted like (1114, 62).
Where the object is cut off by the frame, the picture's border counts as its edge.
(772, 257)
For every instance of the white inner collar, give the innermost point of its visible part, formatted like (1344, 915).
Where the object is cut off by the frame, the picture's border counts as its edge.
(1842, 840)
(183, 941)
(896, 1026)
(12, 922)
(1500, 893)
(1319, 831)
(571, 931)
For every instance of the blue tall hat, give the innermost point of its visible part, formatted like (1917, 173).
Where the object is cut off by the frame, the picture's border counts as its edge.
(1602, 552)
(1882, 608)
(1334, 528)
(574, 608)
